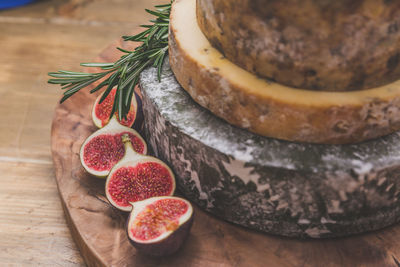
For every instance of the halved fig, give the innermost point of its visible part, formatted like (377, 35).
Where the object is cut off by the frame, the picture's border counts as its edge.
(137, 177)
(158, 226)
(101, 111)
(104, 148)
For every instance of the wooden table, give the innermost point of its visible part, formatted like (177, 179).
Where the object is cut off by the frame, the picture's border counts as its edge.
(44, 36)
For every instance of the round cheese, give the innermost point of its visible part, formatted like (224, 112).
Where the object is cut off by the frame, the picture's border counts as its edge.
(268, 108)
(333, 45)
(279, 187)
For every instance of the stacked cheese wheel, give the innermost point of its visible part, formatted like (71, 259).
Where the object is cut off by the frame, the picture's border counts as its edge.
(334, 45)
(344, 55)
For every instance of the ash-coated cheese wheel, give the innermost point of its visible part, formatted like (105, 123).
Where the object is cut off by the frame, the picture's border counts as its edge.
(332, 45)
(283, 188)
(268, 108)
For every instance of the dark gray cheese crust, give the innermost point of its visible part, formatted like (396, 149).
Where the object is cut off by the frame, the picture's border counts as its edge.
(278, 187)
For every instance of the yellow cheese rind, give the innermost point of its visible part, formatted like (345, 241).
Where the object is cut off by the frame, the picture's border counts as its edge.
(268, 108)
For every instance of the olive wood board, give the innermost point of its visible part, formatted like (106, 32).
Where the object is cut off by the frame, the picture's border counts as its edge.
(99, 229)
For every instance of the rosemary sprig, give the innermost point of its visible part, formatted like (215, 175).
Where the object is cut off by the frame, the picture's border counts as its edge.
(124, 73)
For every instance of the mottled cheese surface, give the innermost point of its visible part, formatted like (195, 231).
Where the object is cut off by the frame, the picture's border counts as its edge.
(279, 187)
(331, 45)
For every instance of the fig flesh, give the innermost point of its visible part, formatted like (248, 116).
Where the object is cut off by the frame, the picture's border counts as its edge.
(101, 111)
(158, 226)
(137, 177)
(104, 148)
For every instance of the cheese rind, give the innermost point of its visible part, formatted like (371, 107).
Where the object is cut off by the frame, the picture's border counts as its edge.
(319, 45)
(268, 108)
(279, 187)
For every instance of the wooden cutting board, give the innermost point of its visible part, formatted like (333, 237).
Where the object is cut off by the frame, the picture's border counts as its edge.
(98, 228)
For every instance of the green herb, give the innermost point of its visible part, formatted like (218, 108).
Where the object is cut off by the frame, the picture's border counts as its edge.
(125, 72)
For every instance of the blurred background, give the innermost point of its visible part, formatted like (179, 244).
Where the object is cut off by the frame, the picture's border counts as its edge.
(43, 36)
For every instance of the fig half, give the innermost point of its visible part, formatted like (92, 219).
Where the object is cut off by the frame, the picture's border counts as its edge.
(137, 177)
(101, 111)
(158, 226)
(104, 148)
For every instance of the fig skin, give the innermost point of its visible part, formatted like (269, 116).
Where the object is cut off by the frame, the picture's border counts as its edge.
(138, 124)
(167, 246)
(99, 123)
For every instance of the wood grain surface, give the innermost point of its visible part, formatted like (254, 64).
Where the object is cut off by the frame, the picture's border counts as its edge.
(44, 36)
(99, 230)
